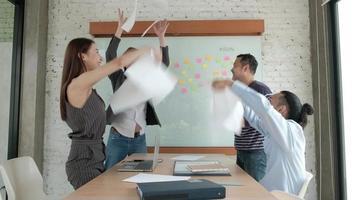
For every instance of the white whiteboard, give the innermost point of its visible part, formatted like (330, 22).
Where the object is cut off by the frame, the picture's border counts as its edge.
(185, 114)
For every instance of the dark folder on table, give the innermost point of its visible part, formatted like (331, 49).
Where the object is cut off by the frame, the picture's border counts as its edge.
(189, 189)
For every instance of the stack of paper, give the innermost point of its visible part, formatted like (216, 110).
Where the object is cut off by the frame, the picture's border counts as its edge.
(207, 168)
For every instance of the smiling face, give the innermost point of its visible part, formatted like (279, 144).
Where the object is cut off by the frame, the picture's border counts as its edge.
(241, 71)
(92, 58)
(238, 70)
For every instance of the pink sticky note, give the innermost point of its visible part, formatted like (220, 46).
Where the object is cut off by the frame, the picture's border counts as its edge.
(226, 58)
(176, 65)
(224, 72)
(197, 75)
(184, 90)
(199, 60)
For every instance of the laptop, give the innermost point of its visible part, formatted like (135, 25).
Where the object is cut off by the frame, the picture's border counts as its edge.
(141, 165)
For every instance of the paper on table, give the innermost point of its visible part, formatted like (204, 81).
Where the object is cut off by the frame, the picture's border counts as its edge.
(188, 157)
(127, 26)
(146, 178)
(144, 33)
(228, 110)
(146, 80)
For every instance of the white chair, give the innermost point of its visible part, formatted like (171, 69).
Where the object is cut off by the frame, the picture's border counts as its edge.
(22, 179)
(284, 195)
(303, 190)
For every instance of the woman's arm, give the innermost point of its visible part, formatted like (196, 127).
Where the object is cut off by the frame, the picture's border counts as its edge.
(111, 51)
(84, 83)
(160, 29)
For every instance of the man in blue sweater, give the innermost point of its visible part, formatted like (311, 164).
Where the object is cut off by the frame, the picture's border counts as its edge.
(250, 156)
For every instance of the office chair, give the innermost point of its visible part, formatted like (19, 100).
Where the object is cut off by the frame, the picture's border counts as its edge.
(22, 179)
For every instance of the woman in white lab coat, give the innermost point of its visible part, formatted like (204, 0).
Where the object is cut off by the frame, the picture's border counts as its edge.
(281, 119)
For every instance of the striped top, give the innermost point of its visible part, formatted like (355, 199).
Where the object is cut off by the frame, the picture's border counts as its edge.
(250, 138)
(89, 121)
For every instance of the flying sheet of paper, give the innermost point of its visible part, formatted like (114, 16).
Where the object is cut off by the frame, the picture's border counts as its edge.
(188, 157)
(228, 110)
(146, 80)
(144, 33)
(146, 178)
(127, 26)
(150, 76)
(127, 96)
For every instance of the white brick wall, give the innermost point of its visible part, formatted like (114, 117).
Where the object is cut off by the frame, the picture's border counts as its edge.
(285, 57)
(7, 11)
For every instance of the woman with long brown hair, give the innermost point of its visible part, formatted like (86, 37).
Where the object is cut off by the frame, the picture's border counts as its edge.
(83, 109)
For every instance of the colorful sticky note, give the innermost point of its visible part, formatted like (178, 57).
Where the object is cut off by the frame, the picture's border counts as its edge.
(176, 65)
(184, 90)
(224, 72)
(205, 66)
(184, 72)
(199, 60)
(226, 58)
(197, 75)
(186, 61)
(216, 73)
(209, 58)
(181, 82)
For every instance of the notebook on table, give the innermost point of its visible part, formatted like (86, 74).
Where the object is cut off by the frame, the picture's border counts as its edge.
(141, 165)
(210, 167)
(200, 168)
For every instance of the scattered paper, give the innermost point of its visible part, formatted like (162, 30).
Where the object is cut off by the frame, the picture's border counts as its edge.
(146, 80)
(144, 33)
(188, 157)
(127, 26)
(127, 96)
(228, 110)
(146, 178)
(151, 77)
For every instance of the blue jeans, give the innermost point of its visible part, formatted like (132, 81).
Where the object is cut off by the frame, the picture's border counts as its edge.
(253, 162)
(119, 146)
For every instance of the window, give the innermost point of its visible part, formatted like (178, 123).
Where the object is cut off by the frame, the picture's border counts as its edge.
(347, 39)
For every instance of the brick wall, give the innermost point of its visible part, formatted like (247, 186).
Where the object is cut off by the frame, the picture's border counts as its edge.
(285, 57)
(6, 21)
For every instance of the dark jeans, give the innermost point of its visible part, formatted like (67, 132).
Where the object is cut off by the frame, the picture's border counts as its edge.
(252, 162)
(119, 146)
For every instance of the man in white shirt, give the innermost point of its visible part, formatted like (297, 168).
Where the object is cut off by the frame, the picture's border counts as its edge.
(281, 119)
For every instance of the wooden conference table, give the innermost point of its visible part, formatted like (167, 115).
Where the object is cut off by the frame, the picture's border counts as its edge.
(109, 185)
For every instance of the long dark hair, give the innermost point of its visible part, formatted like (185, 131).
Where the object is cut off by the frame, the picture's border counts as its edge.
(73, 66)
(297, 111)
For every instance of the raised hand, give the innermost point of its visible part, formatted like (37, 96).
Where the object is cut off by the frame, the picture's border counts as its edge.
(160, 29)
(221, 84)
(120, 21)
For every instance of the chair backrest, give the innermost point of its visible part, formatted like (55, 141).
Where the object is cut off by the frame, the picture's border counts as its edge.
(284, 195)
(22, 179)
(303, 190)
